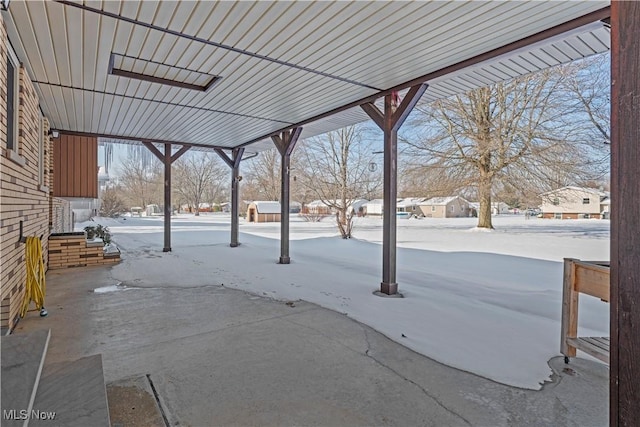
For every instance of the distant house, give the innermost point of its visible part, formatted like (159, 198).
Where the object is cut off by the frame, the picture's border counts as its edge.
(497, 208)
(326, 208)
(575, 202)
(445, 207)
(373, 207)
(410, 205)
(263, 212)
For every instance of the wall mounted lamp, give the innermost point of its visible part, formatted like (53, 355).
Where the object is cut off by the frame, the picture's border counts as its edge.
(54, 133)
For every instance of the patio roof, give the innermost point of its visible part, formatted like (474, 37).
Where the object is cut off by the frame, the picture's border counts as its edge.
(226, 74)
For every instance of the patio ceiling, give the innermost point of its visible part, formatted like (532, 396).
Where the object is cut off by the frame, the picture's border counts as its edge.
(138, 70)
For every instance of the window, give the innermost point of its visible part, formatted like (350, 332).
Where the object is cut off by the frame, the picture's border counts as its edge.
(557, 216)
(13, 83)
(12, 97)
(586, 216)
(452, 208)
(41, 152)
(556, 201)
(586, 201)
(433, 208)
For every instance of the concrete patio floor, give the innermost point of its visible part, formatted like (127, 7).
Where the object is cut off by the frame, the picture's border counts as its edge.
(217, 356)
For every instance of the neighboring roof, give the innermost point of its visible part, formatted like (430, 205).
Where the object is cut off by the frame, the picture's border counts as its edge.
(375, 202)
(317, 203)
(410, 201)
(581, 189)
(267, 207)
(86, 59)
(441, 201)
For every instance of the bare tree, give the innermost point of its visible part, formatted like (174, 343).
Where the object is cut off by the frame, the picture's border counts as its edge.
(589, 90)
(514, 132)
(262, 176)
(111, 203)
(335, 168)
(198, 175)
(140, 177)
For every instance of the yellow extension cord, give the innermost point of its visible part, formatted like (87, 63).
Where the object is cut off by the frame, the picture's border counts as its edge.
(36, 286)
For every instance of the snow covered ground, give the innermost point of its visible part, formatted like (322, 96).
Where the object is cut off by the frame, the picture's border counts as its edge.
(484, 302)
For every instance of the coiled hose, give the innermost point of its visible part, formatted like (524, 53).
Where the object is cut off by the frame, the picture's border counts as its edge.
(36, 286)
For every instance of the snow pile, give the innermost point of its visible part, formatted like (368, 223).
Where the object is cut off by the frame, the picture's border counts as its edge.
(487, 303)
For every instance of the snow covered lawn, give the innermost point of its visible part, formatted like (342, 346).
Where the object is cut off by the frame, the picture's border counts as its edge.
(484, 302)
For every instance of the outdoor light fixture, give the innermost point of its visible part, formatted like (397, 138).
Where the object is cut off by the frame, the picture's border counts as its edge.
(54, 133)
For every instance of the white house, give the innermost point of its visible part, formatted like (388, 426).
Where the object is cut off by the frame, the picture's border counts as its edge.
(373, 207)
(326, 207)
(575, 202)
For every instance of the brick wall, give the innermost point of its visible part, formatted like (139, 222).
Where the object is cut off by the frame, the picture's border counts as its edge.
(74, 250)
(61, 216)
(24, 196)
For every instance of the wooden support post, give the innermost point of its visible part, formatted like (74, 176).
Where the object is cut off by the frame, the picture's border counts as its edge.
(390, 121)
(569, 323)
(285, 143)
(234, 164)
(625, 222)
(167, 159)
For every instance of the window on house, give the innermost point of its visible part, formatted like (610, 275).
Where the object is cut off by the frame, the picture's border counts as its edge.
(452, 208)
(13, 94)
(433, 208)
(12, 101)
(557, 215)
(586, 201)
(556, 201)
(41, 140)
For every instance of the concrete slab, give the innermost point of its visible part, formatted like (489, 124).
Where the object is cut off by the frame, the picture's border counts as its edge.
(224, 357)
(22, 359)
(74, 393)
(132, 403)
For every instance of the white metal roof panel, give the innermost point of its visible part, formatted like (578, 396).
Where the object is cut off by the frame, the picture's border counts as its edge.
(336, 53)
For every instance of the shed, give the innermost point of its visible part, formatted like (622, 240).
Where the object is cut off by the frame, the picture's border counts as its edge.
(263, 212)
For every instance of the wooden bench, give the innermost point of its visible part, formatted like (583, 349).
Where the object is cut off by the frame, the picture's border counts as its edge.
(591, 278)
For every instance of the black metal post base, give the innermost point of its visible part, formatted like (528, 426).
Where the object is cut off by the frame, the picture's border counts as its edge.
(389, 288)
(166, 249)
(284, 260)
(234, 245)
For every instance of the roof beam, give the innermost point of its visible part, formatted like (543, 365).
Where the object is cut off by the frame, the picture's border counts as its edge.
(143, 140)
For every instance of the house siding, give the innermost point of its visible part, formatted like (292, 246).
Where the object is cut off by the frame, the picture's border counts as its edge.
(444, 211)
(76, 166)
(570, 204)
(24, 195)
